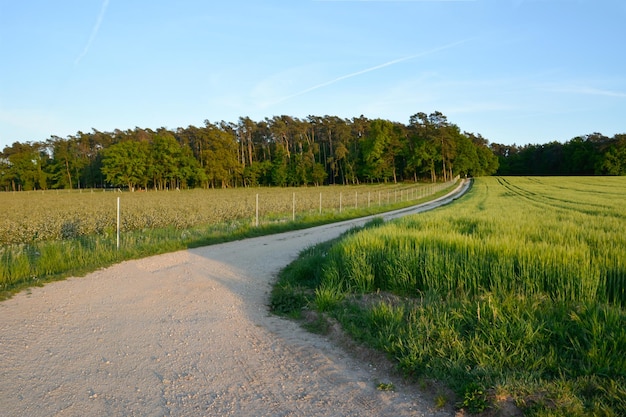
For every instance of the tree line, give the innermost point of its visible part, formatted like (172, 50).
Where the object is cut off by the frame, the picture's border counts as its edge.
(593, 154)
(277, 151)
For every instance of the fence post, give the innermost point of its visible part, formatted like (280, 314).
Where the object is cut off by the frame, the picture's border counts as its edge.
(293, 207)
(257, 211)
(118, 223)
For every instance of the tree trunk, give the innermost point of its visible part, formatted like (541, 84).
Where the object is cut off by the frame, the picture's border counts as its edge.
(69, 175)
(250, 150)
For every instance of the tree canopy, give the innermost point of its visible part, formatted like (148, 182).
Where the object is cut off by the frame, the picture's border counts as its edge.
(593, 154)
(288, 151)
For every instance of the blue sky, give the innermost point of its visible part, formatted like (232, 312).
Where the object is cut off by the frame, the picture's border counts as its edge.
(515, 71)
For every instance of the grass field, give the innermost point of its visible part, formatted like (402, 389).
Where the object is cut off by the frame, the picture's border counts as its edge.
(517, 292)
(47, 235)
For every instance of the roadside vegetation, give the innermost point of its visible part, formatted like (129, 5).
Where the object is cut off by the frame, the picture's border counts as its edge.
(49, 235)
(515, 294)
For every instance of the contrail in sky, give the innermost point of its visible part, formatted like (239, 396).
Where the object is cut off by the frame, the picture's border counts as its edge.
(396, 1)
(374, 68)
(94, 31)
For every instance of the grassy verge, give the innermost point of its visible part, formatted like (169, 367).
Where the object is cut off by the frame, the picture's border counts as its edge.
(512, 295)
(34, 264)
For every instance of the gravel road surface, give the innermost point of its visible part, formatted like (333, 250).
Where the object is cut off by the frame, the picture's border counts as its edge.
(188, 334)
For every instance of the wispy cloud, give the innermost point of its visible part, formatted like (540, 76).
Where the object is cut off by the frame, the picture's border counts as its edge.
(394, 1)
(588, 91)
(597, 92)
(30, 123)
(94, 31)
(371, 69)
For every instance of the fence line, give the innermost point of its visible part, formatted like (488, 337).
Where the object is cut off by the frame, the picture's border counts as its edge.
(405, 195)
(412, 193)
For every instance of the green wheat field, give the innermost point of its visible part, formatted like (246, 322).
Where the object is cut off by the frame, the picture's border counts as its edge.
(515, 293)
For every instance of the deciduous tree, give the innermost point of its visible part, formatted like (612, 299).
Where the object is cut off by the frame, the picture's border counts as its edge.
(126, 164)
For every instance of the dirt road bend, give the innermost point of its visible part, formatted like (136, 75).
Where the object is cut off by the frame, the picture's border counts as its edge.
(187, 334)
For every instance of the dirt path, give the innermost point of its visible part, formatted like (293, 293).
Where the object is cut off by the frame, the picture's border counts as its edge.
(185, 334)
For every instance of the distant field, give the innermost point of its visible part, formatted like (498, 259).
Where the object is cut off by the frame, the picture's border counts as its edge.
(55, 215)
(515, 292)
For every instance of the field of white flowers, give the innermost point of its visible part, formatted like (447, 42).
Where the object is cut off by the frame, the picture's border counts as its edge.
(57, 215)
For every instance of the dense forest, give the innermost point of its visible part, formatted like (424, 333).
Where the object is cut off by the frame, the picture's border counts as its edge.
(593, 154)
(278, 151)
(287, 151)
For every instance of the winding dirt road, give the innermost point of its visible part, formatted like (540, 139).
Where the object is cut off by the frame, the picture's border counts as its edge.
(187, 334)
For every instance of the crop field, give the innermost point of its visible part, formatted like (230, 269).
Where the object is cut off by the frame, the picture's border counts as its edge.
(565, 238)
(515, 293)
(47, 234)
(53, 215)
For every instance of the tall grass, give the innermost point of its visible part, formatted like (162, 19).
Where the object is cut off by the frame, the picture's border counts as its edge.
(565, 251)
(517, 290)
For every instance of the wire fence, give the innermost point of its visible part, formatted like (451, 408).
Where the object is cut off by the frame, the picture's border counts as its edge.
(340, 201)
